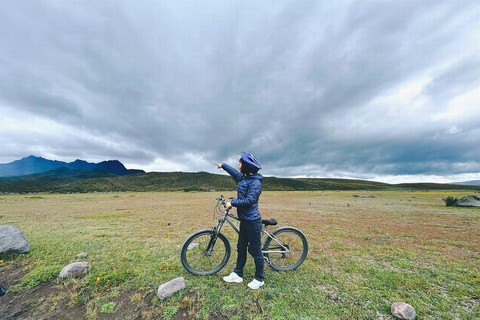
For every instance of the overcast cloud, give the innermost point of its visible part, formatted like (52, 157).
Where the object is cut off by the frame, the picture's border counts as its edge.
(376, 90)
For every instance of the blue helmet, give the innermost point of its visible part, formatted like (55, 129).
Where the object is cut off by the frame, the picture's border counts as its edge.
(251, 160)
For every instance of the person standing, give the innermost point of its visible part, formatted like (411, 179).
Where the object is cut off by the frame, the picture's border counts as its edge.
(249, 238)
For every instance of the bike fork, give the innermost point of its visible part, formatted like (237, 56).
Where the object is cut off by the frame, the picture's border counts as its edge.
(213, 240)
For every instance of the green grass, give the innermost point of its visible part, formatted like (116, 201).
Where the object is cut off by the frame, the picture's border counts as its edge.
(169, 312)
(364, 255)
(108, 307)
(40, 275)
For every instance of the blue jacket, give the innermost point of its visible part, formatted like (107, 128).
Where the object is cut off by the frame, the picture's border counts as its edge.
(248, 192)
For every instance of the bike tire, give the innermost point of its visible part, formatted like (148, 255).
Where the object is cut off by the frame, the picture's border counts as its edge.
(292, 238)
(196, 261)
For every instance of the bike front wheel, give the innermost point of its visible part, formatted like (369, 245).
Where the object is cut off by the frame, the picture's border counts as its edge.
(205, 253)
(286, 249)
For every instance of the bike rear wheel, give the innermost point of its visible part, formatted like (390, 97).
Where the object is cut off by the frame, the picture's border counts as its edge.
(204, 254)
(289, 252)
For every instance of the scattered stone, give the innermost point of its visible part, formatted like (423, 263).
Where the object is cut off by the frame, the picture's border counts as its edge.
(363, 196)
(381, 316)
(74, 270)
(13, 240)
(403, 310)
(167, 289)
(192, 245)
(82, 255)
(469, 201)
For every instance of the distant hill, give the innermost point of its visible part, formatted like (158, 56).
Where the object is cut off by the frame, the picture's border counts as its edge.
(32, 165)
(468, 183)
(71, 181)
(435, 186)
(60, 174)
(36, 174)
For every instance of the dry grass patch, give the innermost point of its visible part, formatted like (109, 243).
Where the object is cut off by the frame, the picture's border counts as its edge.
(365, 253)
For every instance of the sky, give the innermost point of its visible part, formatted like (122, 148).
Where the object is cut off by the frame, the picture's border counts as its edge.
(376, 90)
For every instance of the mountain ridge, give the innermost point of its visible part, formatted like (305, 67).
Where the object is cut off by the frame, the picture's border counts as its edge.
(34, 165)
(468, 183)
(59, 174)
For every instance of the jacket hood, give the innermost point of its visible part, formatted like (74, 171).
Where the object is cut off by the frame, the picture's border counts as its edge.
(255, 176)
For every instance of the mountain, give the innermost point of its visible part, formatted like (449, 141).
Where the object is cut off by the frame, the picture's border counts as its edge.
(60, 174)
(468, 183)
(116, 167)
(32, 165)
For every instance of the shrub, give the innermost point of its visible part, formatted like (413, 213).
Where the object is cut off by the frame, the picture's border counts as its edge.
(450, 201)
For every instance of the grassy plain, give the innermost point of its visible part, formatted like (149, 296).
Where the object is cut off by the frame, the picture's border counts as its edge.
(365, 254)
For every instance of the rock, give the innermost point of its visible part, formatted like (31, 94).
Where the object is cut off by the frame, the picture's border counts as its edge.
(82, 255)
(363, 196)
(13, 240)
(469, 201)
(167, 289)
(192, 245)
(403, 310)
(74, 270)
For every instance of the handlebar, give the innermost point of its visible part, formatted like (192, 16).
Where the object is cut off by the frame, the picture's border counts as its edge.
(224, 204)
(221, 199)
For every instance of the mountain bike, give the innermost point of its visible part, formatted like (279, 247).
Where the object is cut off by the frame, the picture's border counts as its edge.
(207, 251)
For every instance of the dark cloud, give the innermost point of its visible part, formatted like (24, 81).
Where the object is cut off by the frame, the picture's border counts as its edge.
(367, 90)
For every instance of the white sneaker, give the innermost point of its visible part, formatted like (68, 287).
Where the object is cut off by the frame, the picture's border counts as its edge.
(255, 284)
(233, 277)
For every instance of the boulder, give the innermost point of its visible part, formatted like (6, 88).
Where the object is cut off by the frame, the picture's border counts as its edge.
(13, 240)
(167, 289)
(74, 270)
(363, 196)
(82, 255)
(403, 310)
(469, 201)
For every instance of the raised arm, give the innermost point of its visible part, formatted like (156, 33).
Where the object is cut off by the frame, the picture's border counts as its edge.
(237, 175)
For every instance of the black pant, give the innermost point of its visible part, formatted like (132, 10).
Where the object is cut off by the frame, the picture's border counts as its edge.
(250, 237)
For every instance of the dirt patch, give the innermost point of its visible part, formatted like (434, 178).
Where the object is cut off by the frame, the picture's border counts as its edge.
(39, 304)
(53, 301)
(9, 276)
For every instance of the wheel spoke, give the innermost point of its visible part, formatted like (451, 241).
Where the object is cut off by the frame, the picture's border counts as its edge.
(198, 259)
(287, 250)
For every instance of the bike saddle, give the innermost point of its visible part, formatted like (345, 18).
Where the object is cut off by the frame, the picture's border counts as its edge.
(269, 222)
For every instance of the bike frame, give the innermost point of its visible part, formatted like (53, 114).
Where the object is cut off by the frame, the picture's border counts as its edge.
(227, 216)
